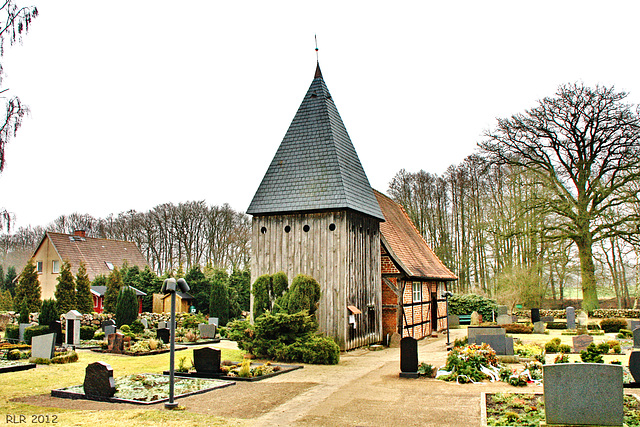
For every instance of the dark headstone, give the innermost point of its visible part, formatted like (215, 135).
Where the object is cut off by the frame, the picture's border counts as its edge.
(633, 323)
(164, 334)
(636, 338)
(98, 380)
(581, 342)
(583, 394)
(535, 315)
(634, 365)
(116, 343)
(56, 328)
(571, 317)
(70, 332)
(206, 360)
(106, 323)
(43, 346)
(409, 357)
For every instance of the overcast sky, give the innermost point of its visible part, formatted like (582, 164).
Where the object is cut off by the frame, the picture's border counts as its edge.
(134, 104)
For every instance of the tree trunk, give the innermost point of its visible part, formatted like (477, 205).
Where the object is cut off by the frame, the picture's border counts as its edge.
(587, 270)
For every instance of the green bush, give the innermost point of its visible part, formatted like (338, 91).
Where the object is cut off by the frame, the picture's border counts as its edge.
(137, 327)
(552, 346)
(98, 335)
(613, 325)
(564, 348)
(517, 328)
(319, 350)
(14, 355)
(49, 312)
(624, 333)
(593, 353)
(12, 332)
(126, 306)
(69, 357)
(556, 325)
(191, 321)
(87, 332)
(467, 304)
(33, 331)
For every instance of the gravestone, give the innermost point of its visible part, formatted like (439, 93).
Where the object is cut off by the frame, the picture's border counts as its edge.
(475, 318)
(634, 365)
(535, 315)
(22, 327)
(144, 322)
(162, 324)
(454, 320)
(108, 330)
(99, 381)
(636, 338)
(504, 319)
(409, 357)
(116, 343)
(582, 319)
(502, 309)
(394, 341)
(546, 319)
(72, 336)
(106, 323)
(583, 394)
(514, 318)
(538, 327)
(207, 360)
(213, 321)
(56, 328)
(632, 324)
(571, 317)
(43, 346)
(207, 331)
(473, 331)
(501, 344)
(581, 342)
(163, 334)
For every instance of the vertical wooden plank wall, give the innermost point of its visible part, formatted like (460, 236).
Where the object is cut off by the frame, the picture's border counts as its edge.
(345, 262)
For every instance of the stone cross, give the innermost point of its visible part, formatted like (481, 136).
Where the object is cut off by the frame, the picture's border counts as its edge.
(98, 380)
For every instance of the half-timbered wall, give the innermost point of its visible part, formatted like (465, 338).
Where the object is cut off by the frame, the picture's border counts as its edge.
(341, 250)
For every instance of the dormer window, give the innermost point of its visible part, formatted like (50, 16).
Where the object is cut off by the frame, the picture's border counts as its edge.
(109, 265)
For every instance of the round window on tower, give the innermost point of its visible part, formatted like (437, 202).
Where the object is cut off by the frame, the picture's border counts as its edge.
(306, 228)
(263, 230)
(332, 227)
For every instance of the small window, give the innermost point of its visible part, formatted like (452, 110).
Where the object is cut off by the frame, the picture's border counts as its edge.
(417, 291)
(263, 230)
(306, 228)
(109, 265)
(287, 229)
(39, 267)
(55, 267)
(332, 227)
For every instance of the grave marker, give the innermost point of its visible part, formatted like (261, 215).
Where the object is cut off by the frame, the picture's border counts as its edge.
(72, 336)
(571, 317)
(106, 323)
(636, 338)
(538, 327)
(502, 309)
(535, 315)
(501, 344)
(582, 318)
(633, 323)
(409, 357)
(206, 360)
(207, 330)
(475, 319)
(581, 342)
(144, 322)
(43, 346)
(164, 334)
(634, 365)
(504, 319)
(22, 327)
(473, 331)
(213, 321)
(583, 394)
(99, 381)
(108, 330)
(56, 328)
(162, 324)
(116, 343)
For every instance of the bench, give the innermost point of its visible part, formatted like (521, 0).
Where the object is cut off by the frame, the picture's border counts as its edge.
(465, 319)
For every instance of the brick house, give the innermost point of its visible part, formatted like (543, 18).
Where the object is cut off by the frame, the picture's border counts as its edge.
(413, 277)
(100, 256)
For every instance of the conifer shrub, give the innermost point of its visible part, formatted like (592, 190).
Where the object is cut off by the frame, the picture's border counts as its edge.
(219, 301)
(28, 291)
(65, 289)
(137, 327)
(84, 300)
(87, 332)
(126, 307)
(303, 294)
(12, 332)
(518, 328)
(49, 312)
(613, 324)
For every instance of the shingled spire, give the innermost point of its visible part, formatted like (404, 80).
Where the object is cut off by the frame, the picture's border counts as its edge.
(316, 166)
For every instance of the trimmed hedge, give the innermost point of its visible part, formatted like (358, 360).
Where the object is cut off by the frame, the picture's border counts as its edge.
(613, 325)
(556, 325)
(87, 332)
(467, 304)
(518, 328)
(34, 331)
(12, 332)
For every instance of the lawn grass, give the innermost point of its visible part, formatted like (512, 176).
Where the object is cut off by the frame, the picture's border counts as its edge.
(47, 377)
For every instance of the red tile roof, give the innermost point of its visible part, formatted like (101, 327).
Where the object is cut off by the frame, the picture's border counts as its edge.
(406, 245)
(95, 253)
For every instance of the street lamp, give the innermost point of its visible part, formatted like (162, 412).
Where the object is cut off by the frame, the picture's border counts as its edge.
(446, 295)
(170, 286)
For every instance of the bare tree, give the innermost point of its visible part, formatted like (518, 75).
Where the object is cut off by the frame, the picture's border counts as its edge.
(583, 147)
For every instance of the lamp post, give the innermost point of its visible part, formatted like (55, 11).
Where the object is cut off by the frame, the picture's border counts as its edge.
(446, 295)
(170, 286)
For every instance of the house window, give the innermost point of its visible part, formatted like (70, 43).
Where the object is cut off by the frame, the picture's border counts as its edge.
(417, 291)
(39, 267)
(109, 265)
(55, 266)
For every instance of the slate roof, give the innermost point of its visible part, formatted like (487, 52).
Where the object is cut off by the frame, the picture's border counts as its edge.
(316, 166)
(406, 245)
(94, 252)
(102, 290)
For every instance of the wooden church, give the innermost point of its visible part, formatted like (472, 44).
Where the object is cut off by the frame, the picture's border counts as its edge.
(315, 213)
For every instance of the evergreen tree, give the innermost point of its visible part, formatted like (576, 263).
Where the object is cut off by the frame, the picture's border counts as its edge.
(28, 291)
(239, 285)
(200, 288)
(49, 312)
(149, 283)
(114, 283)
(126, 306)
(65, 289)
(84, 300)
(6, 301)
(303, 294)
(1, 277)
(9, 278)
(219, 300)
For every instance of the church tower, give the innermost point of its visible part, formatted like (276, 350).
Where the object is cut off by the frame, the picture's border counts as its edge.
(315, 213)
